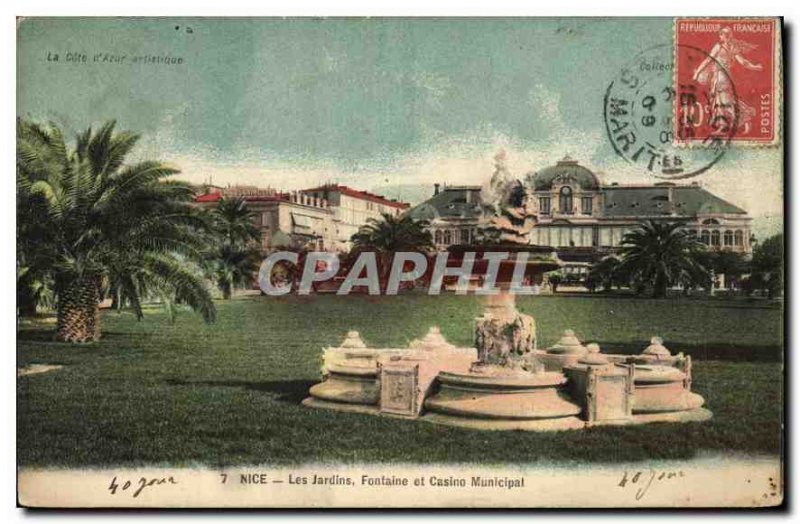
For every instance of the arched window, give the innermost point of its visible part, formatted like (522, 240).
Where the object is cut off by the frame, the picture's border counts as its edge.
(565, 200)
(448, 237)
(704, 237)
(727, 238)
(738, 238)
(437, 236)
(715, 238)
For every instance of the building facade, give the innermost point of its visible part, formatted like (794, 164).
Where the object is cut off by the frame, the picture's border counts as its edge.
(353, 208)
(319, 219)
(586, 220)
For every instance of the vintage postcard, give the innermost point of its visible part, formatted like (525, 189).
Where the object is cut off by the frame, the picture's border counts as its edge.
(400, 263)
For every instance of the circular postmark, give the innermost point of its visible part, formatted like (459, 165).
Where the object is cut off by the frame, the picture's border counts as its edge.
(662, 117)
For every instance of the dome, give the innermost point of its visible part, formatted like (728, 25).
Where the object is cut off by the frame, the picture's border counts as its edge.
(565, 171)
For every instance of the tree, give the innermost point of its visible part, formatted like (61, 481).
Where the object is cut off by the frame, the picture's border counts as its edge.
(660, 254)
(605, 274)
(393, 234)
(729, 263)
(88, 219)
(234, 267)
(555, 279)
(234, 223)
(233, 262)
(768, 265)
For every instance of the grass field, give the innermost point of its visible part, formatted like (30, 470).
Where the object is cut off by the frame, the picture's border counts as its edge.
(186, 393)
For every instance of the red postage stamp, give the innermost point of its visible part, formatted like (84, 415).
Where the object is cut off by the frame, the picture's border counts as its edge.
(727, 81)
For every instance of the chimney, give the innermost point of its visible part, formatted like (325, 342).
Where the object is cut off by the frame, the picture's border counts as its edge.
(435, 189)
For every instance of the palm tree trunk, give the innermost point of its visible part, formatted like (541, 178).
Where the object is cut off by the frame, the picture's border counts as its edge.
(78, 312)
(660, 286)
(116, 299)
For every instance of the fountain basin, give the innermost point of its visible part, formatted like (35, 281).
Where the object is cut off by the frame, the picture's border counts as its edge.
(352, 384)
(662, 389)
(515, 396)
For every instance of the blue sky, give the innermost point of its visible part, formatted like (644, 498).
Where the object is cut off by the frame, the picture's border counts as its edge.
(386, 104)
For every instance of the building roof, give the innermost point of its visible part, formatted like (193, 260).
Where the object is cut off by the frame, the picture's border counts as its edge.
(464, 202)
(208, 197)
(217, 196)
(690, 201)
(565, 170)
(355, 193)
(451, 202)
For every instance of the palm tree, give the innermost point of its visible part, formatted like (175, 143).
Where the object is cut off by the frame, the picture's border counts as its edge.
(233, 267)
(660, 254)
(393, 234)
(234, 260)
(234, 222)
(605, 273)
(89, 219)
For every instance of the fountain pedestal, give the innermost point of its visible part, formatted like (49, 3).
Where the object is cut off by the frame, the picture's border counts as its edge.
(503, 334)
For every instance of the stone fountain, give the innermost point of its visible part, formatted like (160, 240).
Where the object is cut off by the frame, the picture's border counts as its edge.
(506, 381)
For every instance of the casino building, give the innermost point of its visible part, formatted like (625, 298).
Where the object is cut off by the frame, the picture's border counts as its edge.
(585, 219)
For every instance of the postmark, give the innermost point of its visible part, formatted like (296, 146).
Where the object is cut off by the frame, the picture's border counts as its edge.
(639, 116)
(728, 69)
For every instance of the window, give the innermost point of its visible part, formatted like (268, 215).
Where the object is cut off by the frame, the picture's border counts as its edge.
(738, 238)
(448, 237)
(456, 236)
(704, 237)
(715, 238)
(605, 237)
(437, 236)
(728, 238)
(544, 205)
(586, 205)
(545, 237)
(466, 238)
(565, 200)
(561, 236)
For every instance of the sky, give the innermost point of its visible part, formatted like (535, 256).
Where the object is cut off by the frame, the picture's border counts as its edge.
(388, 105)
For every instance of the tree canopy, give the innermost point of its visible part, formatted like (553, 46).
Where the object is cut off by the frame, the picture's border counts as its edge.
(92, 222)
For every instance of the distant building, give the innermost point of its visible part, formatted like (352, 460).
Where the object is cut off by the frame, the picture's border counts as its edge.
(352, 209)
(586, 220)
(321, 219)
(454, 213)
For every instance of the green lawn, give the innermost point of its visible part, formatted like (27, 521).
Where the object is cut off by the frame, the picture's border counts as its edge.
(186, 393)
